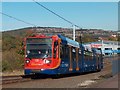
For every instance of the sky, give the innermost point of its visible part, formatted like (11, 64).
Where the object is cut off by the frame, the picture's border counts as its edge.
(87, 15)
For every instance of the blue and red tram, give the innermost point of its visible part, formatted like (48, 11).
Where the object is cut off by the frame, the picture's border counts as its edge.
(57, 54)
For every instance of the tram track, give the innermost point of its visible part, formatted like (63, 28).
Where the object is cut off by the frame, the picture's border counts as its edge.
(22, 78)
(14, 79)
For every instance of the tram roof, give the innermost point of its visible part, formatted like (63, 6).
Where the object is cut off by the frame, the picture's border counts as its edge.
(68, 41)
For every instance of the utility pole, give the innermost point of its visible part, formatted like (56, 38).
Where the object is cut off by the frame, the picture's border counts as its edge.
(74, 32)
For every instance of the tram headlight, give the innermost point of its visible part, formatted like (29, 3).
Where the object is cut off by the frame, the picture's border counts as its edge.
(27, 61)
(47, 61)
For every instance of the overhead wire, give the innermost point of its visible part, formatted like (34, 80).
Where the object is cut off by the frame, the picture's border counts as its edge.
(56, 14)
(47, 10)
(18, 19)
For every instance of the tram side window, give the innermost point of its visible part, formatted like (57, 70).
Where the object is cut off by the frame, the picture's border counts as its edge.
(88, 55)
(55, 48)
(61, 51)
(80, 54)
(73, 53)
(64, 51)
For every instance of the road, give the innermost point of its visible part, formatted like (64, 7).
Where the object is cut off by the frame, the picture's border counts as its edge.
(73, 81)
(109, 83)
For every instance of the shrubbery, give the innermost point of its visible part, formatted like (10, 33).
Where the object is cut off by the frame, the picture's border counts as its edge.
(12, 61)
(12, 49)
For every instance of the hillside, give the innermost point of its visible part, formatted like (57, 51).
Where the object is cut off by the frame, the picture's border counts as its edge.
(65, 31)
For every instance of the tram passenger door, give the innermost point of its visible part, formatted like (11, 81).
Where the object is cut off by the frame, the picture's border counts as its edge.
(64, 55)
(74, 57)
(70, 59)
(80, 58)
(77, 60)
(74, 60)
(98, 62)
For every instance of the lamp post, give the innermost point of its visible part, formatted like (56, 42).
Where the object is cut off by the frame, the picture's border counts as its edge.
(73, 32)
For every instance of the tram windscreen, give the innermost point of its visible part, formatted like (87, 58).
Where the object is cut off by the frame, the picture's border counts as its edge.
(38, 47)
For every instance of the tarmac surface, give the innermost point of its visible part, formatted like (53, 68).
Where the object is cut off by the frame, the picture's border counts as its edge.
(100, 79)
(112, 82)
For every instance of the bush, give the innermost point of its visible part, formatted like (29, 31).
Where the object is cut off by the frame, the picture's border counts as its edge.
(12, 53)
(12, 60)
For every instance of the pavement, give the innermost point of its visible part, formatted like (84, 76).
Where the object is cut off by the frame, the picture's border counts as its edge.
(112, 82)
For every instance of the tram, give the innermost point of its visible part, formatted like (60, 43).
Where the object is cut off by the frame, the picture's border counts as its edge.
(57, 54)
